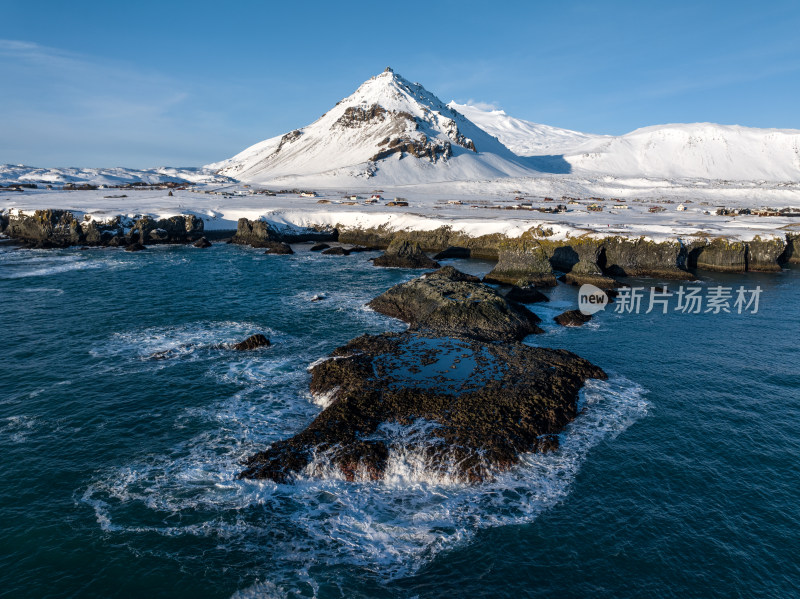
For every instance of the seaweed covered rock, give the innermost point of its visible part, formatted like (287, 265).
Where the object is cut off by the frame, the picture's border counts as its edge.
(402, 253)
(450, 302)
(466, 408)
(522, 262)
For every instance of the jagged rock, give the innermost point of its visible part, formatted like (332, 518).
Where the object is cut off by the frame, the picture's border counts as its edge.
(319, 247)
(252, 342)
(572, 318)
(402, 253)
(336, 251)
(175, 229)
(763, 254)
(259, 233)
(46, 228)
(792, 252)
(488, 403)
(719, 255)
(526, 295)
(522, 262)
(453, 252)
(202, 243)
(135, 247)
(450, 302)
(277, 247)
(588, 273)
(640, 257)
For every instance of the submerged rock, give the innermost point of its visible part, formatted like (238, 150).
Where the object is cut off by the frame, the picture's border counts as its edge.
(336, 251)
(277, 247)
(466, 408)
(572, 318)
(450, 302)
(526, 295)
(402, 253)
(252, 342)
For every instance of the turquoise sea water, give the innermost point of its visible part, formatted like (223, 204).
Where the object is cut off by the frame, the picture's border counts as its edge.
(679, 479)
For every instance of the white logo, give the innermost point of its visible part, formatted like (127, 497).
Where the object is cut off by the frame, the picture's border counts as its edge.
(591, 299)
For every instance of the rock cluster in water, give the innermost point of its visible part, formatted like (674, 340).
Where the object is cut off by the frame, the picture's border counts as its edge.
(468, 395)
(402, 253)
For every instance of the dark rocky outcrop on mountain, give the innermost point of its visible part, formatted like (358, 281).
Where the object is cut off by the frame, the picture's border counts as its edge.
(449, 302)
(572, 318)
(252, 342)
(522, 262)
(259, 233)
(402, 253)
(474, 407)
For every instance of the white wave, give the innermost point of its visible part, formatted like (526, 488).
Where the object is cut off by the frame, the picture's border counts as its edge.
(394, 525)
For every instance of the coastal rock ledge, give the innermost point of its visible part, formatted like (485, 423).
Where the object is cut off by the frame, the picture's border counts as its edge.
(463, 409)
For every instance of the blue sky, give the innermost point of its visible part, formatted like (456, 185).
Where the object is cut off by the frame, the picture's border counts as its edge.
(153, 83)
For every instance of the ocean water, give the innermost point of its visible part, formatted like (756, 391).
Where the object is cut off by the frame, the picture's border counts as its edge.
(123, 420)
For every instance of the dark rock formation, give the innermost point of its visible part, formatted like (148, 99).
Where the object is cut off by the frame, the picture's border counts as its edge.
(277, 247)
(202, 243)
(336, 251)
(259, 233)
(572, 318)
(319, 247)
(175, 229)
(453, 252)
(471, 408)
(46, 228)
(252, 342)
(522, 262)
(134, 247)
(640, 257)
(718, 255)
(402, 253)
(792, 252)
(526, 295)
(450, 302)
(763, 255)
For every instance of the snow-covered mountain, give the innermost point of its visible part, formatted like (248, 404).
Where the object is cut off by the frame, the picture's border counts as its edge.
(523, 137)
(20, 173)
(391, 130)
(695, 150)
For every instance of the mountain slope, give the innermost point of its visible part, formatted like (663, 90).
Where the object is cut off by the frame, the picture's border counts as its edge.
(389, 129)
(523, 137)
(697, 150)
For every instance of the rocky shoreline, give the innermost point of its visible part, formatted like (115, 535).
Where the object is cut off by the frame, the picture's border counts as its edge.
(532, 259)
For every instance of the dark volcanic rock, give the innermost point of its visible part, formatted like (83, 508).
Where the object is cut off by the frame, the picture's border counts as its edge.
(202, 243)
(524, 263)
(135, 247)
(526, 295)
(277, 247)
(572, 318)
(402, 253)
(252, 342)
(640, 257)
(453, 252)
(468, 409)
(719, 255)
(336, 251)
(259, 233)
(450, 302)
(319, 247)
